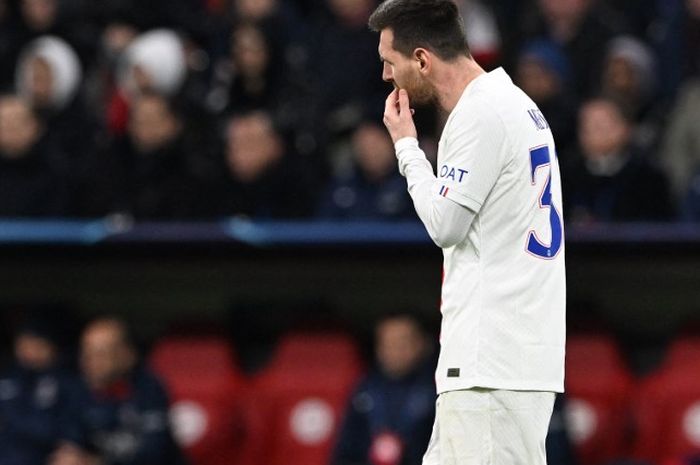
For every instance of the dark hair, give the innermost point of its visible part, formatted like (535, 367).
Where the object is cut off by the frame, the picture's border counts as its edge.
(426, 323)
(431, 24)
(121, 325)
(624, 113)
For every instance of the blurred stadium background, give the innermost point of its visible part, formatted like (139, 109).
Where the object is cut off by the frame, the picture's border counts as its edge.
(215, 173)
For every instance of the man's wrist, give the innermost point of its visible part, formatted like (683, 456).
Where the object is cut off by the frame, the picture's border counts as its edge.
(405, 143)
(407, 149)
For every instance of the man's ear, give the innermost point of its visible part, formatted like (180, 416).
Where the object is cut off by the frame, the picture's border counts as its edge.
(422, 56)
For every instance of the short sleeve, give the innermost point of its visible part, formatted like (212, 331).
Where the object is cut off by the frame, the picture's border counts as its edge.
(472, 156)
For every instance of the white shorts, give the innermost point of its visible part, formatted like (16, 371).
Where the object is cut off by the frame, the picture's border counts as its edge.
(490, 427)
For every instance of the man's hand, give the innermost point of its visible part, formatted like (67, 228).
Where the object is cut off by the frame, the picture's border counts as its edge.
(398, 116)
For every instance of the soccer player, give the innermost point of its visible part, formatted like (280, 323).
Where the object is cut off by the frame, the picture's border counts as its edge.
(495, 209)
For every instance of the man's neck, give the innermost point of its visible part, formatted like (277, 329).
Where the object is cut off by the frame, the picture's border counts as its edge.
(451, 78)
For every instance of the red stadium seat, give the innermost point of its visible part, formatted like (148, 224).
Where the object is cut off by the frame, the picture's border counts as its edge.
(667, 408)
(598, 386)
(683, 351)
(300, 398)
(206, 392)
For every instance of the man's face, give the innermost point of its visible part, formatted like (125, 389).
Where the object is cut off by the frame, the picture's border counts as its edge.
(374, 151)
(151, 124)
(403, 72)
(39, 14)
(105, 356)
(41, 83)
(602, 129)
(400, 346)
(252, 147)
(34, 352)
(536, 80)
(250, 52)
(620, 77)
(19, 129)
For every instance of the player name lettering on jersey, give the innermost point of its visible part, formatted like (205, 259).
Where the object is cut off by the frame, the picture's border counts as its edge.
(539, 119)
(455, 174)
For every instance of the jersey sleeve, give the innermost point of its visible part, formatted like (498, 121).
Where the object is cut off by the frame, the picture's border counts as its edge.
(472, 157)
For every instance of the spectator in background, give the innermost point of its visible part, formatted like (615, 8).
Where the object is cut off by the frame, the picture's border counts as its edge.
(278, 18)
(152, 172)
(611, 180)
(33, 394)
(38, 18)
(104, 99)
(544, 74)
(32, 184)
(345, 66)
(119, 412)
(153, 62)
(251, 78)
(675, 36)
(560, 450)
(483, 35)
(49, 76)
(582, 28)
(371, 187)
(262, 178)
(629, 78)
(389, 418)
(680, 152)
(268, 43)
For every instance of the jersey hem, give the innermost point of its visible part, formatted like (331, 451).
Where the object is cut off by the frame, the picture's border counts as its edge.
(501, 385)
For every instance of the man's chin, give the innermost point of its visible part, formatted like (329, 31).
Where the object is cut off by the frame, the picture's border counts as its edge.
(420, 97)
(422, 100)
(417, 97)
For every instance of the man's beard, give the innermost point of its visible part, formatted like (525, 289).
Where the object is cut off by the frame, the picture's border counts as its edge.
(419, 92)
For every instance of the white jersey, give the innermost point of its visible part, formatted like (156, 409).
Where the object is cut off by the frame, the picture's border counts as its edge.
(504, 289)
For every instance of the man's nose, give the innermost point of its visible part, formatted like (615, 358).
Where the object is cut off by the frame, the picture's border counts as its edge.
(386, 74)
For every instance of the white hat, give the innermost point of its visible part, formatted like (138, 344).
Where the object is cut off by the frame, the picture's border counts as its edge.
(64, 64)
(639, 56)
(161, 55)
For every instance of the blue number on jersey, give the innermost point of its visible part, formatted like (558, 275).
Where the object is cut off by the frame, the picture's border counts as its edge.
(540, 157)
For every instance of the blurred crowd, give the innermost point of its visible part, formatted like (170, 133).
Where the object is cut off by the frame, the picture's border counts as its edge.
(100, 403)
(114, 412)
(199, 109)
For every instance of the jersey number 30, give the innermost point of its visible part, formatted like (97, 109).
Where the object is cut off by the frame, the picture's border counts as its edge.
(539, 158)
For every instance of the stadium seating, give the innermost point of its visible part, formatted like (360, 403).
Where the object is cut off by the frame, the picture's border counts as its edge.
(298, 401)
(667, 407)
(598, 386)
(206, 393)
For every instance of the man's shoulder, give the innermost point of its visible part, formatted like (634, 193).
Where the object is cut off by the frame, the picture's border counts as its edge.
(476, 109)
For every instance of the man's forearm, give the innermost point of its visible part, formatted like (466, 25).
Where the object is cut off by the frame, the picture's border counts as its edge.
(447, 222)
